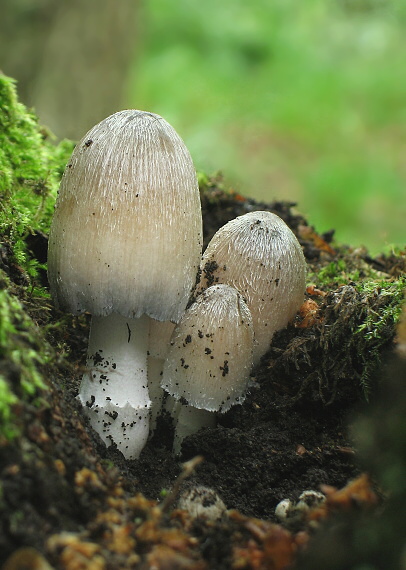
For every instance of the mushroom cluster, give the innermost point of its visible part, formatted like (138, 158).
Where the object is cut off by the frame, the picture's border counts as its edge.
(125, 246)
(259, 258)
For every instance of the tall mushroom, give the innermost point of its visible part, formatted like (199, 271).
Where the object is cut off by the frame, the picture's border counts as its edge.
(259, 255)
(124, 245)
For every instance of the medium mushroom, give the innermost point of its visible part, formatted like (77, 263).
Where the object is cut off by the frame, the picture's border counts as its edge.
(124, 245)
(259, 255)
(209, 360)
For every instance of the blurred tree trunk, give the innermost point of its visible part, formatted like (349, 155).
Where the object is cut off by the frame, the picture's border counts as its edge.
(23, 33)
(73, 58)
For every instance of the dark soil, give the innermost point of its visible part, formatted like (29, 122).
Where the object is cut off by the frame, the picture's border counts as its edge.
(294, 432)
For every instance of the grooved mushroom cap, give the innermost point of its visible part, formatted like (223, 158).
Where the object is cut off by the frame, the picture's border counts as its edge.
(210, 356)
(126, 233)
(259, 255)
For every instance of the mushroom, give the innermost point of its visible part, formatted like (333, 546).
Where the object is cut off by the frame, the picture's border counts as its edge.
(260, 256)
(209, 360)
(202, 502)
(124, 245)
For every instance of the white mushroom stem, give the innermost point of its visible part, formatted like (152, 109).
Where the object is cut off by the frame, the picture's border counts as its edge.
(114, 392)
(156, 393)
(159, 337)
(189, 420)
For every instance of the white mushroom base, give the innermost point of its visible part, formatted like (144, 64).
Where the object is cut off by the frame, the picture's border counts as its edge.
(188, 420)
(114, 392)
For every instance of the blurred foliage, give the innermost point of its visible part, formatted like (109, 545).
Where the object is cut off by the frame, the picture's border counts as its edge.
(291, 99)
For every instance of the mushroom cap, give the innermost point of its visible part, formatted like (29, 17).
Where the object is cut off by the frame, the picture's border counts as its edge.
(260, 256)
(210, 354)
(127, 229)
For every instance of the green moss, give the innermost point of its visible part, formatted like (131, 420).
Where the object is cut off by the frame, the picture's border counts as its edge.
(391, 294)
(213, 188)
(380, 308)
(368, 317)
(341, 272)
(334, 271)
(7, 400)
(30, 169)
(31, 166)
(23, 354)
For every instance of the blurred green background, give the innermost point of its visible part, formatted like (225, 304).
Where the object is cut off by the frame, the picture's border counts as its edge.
(290, 99)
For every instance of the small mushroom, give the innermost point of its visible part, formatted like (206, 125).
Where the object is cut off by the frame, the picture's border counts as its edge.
(291, 512)
(259, 255)
(210, 357)
(309, 500)
(202, 502)
(124, 245)
(283, 509)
